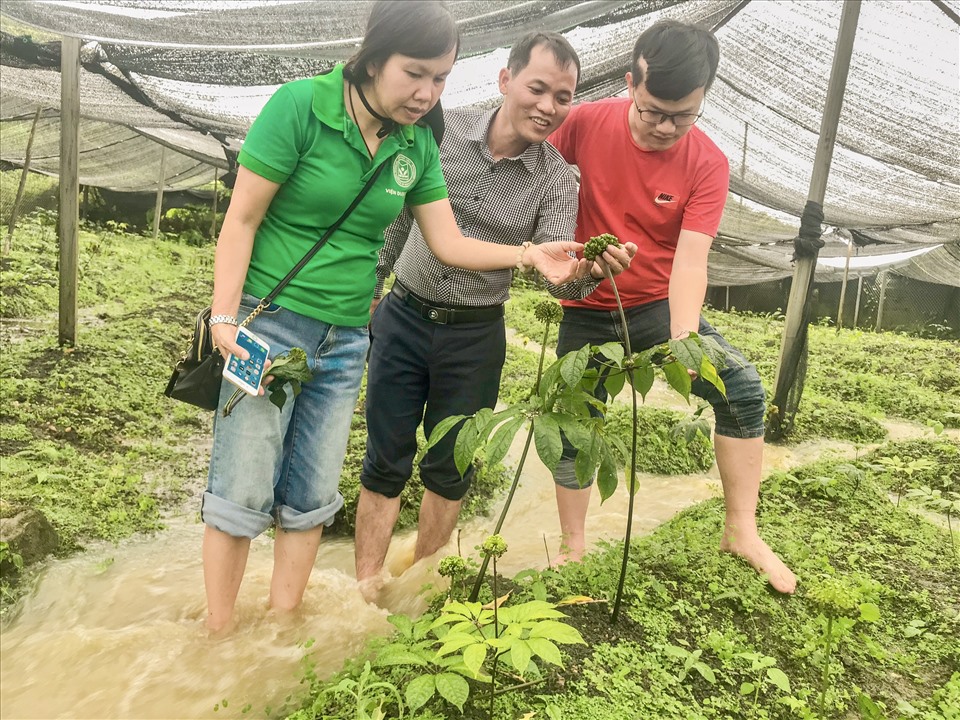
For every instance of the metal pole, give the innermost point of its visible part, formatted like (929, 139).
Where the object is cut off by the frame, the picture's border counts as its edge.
(69, 217)
(793, 344)
(843, 288)
(163, 178)
(856, 309)
(883, 295)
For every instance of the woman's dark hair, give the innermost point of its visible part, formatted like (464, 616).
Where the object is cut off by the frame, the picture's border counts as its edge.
(416, 28)
(554, 42)
(680, 57)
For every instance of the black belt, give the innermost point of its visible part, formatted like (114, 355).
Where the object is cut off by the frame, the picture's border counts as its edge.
(446, 315)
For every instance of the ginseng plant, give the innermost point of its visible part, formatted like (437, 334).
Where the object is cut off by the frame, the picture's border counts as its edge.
(561, 399)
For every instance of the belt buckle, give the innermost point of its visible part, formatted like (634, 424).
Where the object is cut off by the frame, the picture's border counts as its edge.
(435, 314)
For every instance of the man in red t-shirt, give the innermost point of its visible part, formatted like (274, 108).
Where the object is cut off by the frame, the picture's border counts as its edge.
(650, 177)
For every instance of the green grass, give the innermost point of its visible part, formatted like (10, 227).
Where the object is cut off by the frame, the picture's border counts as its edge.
(684, 597)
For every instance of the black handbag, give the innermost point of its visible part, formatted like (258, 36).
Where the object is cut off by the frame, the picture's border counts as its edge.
(197, 376)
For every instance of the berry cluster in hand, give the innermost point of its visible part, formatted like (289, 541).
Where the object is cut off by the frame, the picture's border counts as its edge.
(596, 245)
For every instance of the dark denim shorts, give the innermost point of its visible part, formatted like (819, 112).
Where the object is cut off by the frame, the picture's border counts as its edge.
(739, 415)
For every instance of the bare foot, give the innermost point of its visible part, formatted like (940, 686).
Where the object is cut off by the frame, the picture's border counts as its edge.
(764, 560)
(568, 554)
(370, 588)
(218, 629)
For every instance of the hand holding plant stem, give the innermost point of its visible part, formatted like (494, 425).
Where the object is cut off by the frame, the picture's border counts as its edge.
(289, 367)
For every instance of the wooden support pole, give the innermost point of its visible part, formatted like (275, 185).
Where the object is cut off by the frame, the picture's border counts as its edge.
(856, 307)
(15, 211)
(883, 297)
(793, 345)
(69, 216)
(160, 183)
(843, 288)
(213, 223)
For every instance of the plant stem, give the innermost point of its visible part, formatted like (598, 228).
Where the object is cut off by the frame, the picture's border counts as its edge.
(826, 664)
(475, 593)
(496, 634)
(633, 447)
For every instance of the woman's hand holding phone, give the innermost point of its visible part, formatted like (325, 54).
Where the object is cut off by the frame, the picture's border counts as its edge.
(224, 336)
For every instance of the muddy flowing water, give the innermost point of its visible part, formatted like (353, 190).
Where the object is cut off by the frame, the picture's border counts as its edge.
(117, 631)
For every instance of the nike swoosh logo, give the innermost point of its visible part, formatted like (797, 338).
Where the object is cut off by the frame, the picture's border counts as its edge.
(661, 201)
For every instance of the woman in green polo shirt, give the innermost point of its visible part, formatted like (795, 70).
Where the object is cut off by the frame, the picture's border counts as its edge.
(313, 147)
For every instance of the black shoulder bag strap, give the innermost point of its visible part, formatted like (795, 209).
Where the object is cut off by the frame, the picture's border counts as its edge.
(265, 302)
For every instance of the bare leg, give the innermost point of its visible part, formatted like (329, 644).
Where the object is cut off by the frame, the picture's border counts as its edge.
(739, 460)
(224, 560)
(376, 516)
(438, 518)
(294, 554)
(572, 507)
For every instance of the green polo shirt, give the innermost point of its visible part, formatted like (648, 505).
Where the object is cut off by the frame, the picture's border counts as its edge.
(304, 140)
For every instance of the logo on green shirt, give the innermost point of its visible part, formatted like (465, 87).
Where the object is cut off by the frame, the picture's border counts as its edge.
(404, 171)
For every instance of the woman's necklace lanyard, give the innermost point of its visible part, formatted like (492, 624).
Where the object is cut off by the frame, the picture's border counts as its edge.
(357, 120)
(387, 124)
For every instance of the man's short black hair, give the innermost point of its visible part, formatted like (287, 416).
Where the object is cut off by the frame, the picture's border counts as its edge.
(680, 57)
(554, 42)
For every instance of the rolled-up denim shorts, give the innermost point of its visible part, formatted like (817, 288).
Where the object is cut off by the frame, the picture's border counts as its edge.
(738, 415)
(283, 466)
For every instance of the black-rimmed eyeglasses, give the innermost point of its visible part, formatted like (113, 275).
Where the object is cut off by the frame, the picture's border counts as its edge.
(655, 117)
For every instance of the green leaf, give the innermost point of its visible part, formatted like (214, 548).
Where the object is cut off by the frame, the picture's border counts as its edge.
(586, 461)
(747, 688)
(709, 374)
(558, 632)
(534, 610)
(716, 352)
(613, 383)
(440, 431)
(402, 623)
(453, 688)
(419, 691)
(474, 656)
(464, 450)
(612, 351)
(546, 436)
(520, 655)
(576, 433)
(573, 365)
(643, 380)
(779, 678)
(545, 650)
(869, 612)
(455, 641)
(705, 672)
(607, 478)
(499, 444)
(678, 378)
(688, 352)
(549, 379)
(278, 395)
(399, 657)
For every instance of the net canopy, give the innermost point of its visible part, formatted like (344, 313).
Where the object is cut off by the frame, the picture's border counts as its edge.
(191, 75)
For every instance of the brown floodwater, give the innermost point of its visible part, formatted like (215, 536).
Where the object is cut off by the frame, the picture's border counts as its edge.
(117, 631)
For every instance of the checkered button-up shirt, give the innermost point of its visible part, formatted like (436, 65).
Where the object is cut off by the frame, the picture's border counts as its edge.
(509, 201)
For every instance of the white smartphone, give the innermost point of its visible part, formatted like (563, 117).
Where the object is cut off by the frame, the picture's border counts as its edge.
(246, 374)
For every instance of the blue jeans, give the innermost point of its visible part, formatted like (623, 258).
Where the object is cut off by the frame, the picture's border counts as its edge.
(283, 466)
(415, 364)
(739, 415)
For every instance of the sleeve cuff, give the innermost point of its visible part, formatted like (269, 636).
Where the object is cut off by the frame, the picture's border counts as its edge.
(261, 168)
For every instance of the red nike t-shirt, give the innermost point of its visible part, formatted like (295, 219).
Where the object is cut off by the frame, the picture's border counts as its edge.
(641, 196)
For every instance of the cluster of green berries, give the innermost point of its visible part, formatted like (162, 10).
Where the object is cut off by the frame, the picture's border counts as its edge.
(548, 312)
(494, 546)
(596, 245)
(452, 566)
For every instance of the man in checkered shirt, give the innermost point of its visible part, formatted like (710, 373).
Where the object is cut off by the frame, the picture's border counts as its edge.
(437, 339)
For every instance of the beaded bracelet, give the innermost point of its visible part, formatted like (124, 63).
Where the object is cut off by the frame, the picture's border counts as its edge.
(520, 264)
